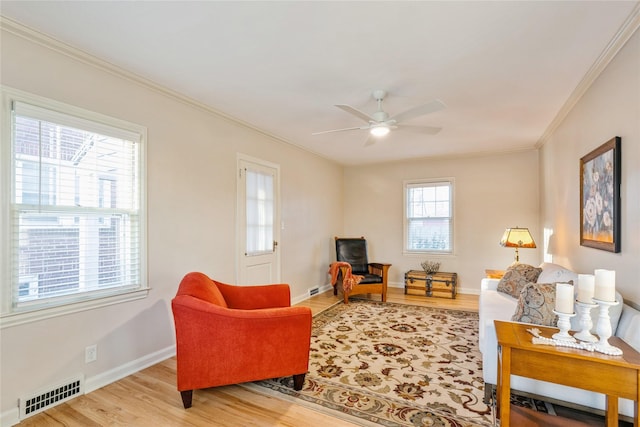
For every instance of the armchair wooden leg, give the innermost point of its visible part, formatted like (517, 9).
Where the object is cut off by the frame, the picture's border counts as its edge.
(335, 289)
(488, 393)
(298, 381)
(187, 396)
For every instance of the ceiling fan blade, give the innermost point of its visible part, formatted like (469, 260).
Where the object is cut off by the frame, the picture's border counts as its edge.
(370, 140)
(429, 107)
(340, 130)
(428, 130)
(349, 109)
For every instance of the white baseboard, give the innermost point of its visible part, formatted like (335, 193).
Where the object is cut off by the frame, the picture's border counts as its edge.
(117, 373)
(400, 285)
(12, 416)
(300, 298)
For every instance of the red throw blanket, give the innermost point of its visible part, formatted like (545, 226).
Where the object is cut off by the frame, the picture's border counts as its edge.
(349, 280)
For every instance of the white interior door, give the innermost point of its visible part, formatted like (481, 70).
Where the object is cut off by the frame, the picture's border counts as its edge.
(258, 219)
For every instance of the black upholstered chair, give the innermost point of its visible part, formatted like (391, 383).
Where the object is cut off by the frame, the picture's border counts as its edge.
(354, 251)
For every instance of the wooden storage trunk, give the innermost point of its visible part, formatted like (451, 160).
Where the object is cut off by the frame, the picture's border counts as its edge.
(437, 284)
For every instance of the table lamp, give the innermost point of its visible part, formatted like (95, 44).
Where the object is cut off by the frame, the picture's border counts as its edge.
(517, 238)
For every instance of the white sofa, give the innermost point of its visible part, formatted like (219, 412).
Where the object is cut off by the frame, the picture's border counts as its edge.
(495, 305)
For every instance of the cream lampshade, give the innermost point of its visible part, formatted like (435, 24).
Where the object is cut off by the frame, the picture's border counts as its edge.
(517, 238)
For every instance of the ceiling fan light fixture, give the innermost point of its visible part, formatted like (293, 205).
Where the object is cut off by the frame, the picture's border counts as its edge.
(379, 123)
(379, 130)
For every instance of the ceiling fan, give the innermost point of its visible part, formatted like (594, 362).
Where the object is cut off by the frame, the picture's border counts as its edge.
(380, 123)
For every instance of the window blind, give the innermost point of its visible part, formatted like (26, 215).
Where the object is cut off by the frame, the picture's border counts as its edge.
(75, 208)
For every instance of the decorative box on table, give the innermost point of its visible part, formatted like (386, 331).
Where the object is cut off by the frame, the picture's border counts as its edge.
(440, 283)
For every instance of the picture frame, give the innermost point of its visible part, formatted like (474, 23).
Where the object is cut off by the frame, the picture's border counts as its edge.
(600, 197)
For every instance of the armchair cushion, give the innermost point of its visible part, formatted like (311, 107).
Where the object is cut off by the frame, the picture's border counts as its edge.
(353, 251)
(255, 297)
(370, 278)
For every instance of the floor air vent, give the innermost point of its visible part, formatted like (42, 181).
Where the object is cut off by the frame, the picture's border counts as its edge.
(314, 291)
(42, 400)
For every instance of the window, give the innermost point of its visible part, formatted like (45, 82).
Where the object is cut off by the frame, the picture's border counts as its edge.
(429, 216)
(259, 211)
(75, 214)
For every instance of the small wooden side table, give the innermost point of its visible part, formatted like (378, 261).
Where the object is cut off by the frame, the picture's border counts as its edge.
(440, 282)
(494, 274)
(614, 376)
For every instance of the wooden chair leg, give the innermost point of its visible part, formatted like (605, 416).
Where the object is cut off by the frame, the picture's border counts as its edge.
(335, 289)
(488, 393)
(298, 381)
(187, 396)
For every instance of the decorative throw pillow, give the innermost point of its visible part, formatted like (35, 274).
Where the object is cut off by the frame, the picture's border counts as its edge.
(516, 276)
(554, 273)
(536, 304)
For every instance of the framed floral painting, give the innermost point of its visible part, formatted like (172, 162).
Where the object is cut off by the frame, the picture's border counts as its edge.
(600, 197)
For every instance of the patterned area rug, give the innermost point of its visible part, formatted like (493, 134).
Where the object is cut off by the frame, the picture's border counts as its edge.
(395, 365)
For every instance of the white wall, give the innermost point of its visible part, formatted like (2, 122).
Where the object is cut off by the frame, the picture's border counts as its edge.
(611, 107)
(491, 193)
(191, 212)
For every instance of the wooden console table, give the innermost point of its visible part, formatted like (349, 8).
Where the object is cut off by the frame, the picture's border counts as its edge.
(614, 376)
(439, 282)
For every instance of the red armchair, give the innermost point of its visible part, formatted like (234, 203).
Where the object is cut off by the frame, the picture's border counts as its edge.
(229, 334)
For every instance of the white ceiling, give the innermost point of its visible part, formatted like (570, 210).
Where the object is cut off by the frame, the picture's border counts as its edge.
(504, 69)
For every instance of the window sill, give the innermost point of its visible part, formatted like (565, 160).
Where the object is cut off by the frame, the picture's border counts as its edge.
(19, 318)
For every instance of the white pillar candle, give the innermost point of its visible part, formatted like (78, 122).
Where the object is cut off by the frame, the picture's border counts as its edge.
(605, 285)
(586, 288)
(564, 298)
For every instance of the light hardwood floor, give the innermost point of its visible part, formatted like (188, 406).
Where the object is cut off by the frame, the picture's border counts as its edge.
(150, 398)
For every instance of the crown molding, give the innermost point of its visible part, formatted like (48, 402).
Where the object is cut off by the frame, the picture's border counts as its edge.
(623, 35)
(37, 37)
(445, 157)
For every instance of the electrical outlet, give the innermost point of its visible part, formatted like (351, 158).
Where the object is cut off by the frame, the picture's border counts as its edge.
(91, 353)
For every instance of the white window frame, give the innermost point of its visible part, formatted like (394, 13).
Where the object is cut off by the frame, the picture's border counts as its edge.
(12, 314)
(405, 227)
